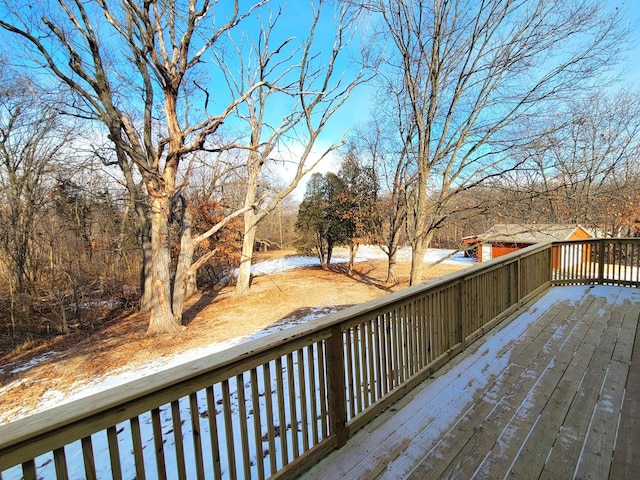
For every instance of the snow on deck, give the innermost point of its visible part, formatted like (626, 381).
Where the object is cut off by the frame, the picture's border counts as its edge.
(541, 396)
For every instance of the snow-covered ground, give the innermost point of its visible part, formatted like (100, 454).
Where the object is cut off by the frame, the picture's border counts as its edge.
(125, 375)
(365, 252)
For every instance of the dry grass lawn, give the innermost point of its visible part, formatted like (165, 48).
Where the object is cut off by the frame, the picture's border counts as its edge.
(212, 316)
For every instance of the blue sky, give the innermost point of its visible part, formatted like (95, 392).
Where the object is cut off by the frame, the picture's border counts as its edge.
(296, 24)
(357, 108)
(632, 62)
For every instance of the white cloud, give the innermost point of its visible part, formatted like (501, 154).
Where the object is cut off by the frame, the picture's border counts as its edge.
(286, 162)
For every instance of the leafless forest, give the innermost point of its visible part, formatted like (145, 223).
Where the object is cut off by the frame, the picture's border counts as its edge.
(150, 148)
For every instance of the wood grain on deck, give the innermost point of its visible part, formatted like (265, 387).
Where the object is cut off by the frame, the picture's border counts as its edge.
(554, 392)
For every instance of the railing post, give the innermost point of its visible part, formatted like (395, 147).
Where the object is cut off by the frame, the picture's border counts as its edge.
(518, 281)
(461, 312)
(552, 273)
(601, 262)
(336, 386)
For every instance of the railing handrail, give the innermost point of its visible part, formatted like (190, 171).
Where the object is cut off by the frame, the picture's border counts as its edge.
(104, 409)
(45, 421)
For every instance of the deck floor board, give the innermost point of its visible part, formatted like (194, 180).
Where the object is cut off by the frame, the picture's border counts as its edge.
(626, 461)
(555, 359)
(484, 423)
(554, 392)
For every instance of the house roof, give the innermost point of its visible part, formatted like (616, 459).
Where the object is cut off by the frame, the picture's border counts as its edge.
(528, 233)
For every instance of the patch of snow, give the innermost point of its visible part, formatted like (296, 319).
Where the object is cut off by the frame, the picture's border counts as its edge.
(105, 303)
(52, 397)
(312, 314)
(283, 264)
(33, 362)
(365, 252)
(606, 403)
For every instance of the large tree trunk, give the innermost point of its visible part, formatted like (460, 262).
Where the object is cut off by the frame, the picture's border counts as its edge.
(329, 252)
(417, 261)
(353, 250)
(146, 277)
(162, 318)
(182, 281)
(392, 255)
(244, 271)
(320, 245)
(243, 282)
(392, 276)
(181, 289)
(418, 240)
(142, 226)
(192, 285)
(420, 246)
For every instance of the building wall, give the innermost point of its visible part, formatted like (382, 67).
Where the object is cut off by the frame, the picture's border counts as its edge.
(499, 249)
(579, 234)
(484, 252)
(487, 251)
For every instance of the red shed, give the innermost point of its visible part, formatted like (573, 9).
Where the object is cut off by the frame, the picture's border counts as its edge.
(505, 238)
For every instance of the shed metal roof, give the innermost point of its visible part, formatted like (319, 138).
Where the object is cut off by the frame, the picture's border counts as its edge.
(528, 233)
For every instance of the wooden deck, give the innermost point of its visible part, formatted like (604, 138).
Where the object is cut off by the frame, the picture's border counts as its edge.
(553, 393)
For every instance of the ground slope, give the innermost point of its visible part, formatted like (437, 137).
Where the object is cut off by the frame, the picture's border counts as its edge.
(33, 378)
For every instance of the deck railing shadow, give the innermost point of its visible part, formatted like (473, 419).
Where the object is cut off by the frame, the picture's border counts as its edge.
(272, 407)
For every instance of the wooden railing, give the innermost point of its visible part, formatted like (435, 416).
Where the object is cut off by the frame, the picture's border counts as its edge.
(274, 406)
(601, 261)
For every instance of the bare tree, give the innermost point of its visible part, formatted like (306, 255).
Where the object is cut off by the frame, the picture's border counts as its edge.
(584, 169)
(591, 157)
(144, 70)
(278, 229)
(469, 75)
(33, 138)
(303, 84)
(377, 144)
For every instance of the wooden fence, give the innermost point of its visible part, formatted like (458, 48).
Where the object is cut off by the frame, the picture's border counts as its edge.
(601, 261)
(272, 407)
